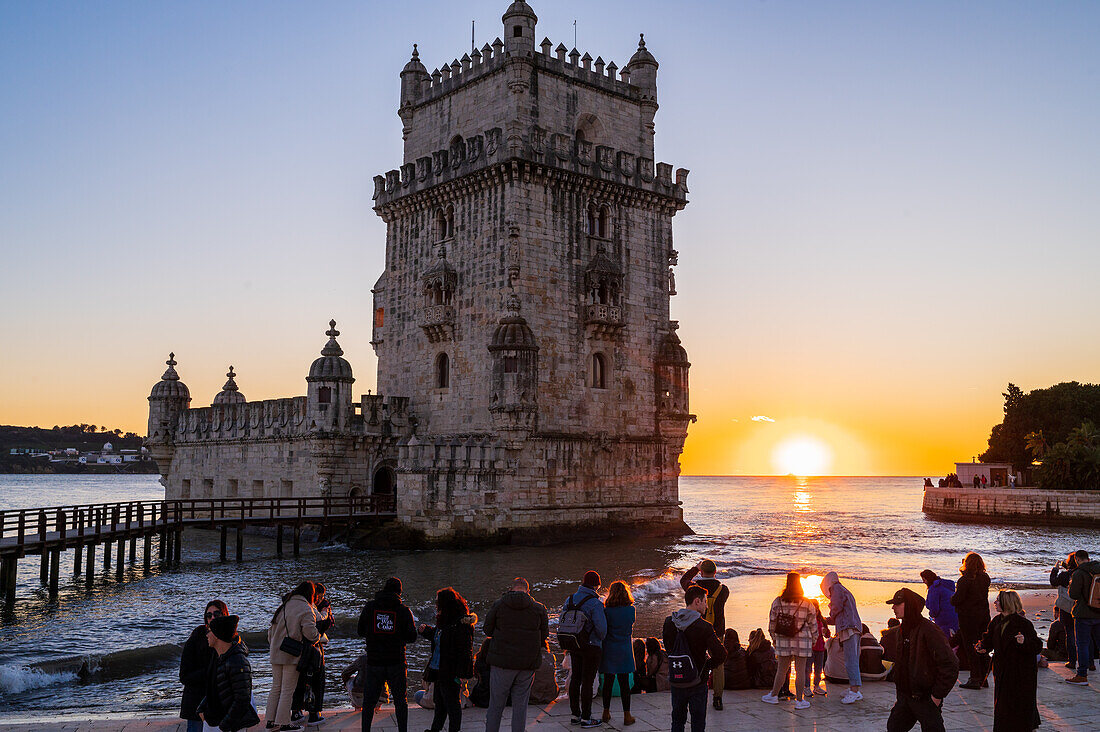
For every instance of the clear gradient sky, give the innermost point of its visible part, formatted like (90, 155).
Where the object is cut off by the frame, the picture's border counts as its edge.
(895, 207)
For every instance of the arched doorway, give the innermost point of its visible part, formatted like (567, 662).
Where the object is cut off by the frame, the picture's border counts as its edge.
(385, 482)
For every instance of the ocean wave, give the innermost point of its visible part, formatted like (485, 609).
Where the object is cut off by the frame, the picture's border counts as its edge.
(17, 679)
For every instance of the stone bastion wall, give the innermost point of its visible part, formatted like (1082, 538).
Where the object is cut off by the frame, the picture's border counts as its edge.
(1014, 506)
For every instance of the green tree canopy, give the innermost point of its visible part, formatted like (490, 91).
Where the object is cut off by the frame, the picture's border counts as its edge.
(1053, 412)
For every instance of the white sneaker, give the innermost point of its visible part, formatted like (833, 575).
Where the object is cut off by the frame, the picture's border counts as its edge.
(803, 704)
(770, 699)
(852, 697)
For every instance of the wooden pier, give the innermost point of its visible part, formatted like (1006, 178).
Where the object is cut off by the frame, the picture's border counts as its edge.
(47, 532)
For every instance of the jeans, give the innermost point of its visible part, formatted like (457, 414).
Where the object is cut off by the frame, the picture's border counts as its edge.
(448, 707)
(816, 661)
(194, 725)
(624, 690)
(377, 677)
(1071, 642)
(693, 699)
(910, 709)
(1086, 633)
(850, 646)
(583, 665)
(502, 683)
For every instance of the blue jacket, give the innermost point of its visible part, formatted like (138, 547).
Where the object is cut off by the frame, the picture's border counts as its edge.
(939, 605)
(842, 605)
(618, 645)
(595, 612)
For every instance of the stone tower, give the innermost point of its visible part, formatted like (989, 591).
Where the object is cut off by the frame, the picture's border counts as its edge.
(524, 306)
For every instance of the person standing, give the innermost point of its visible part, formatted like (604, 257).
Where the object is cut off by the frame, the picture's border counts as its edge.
(1015, 644)
(686, 631)
(194, 663)
(584, 660)
(388, 626)
(452, 657)
(791, 623)
(618, 651)
(309, 696)
(1063, 606)
(926, 669)
(228, 701)
(971, 601)
(1086, 618)
(815, 665)
(938, 602)
(293, 626)
(517, 627)
(845, 616)
(717, 594)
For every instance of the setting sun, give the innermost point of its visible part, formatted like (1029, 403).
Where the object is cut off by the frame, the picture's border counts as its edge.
(811, 586)
(802, 455)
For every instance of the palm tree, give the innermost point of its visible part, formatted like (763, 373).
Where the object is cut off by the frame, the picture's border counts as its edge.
(1036, 444)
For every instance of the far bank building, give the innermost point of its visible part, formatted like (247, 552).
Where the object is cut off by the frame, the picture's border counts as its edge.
(530, 383)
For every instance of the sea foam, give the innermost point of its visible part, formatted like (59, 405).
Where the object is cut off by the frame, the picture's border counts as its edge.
(17, 679)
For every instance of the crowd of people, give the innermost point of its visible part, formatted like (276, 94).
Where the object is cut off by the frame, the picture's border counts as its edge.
(696, 657)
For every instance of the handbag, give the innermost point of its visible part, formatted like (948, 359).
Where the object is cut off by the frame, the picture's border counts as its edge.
(290, 646)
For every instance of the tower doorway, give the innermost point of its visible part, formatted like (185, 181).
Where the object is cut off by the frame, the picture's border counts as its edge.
(385, 482)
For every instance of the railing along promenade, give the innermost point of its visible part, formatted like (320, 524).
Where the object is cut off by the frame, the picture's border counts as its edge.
(50, 531)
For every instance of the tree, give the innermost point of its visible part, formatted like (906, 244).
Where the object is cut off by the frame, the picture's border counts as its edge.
(1073, 464)
(1036, 444)
(1055, 412)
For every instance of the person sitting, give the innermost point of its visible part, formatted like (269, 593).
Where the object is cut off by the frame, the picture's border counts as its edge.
(760, 660)
(639, 664)
(479, 685)
(889, 640)
(354, 678)
(870, 656)
(656, 667)
(737, 668)
(544, 687)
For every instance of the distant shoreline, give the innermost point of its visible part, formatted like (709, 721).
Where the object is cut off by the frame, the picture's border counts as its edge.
(147, 467)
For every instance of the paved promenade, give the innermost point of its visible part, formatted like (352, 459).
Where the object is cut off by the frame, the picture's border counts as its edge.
(1063, 707)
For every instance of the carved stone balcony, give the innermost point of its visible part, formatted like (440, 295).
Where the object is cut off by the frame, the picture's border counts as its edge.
(603, 321)
(438, 322)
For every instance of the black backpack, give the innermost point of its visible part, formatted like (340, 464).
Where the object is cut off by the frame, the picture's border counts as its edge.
(574, 626)
(681, 666)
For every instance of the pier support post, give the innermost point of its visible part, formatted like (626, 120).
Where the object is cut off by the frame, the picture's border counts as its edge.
(297, 540)
(9, 570)
(89, 567)
(240, 544)
(163, 547)
(107, 556)
(178, 545)
(133, 549)
(224, 532)
(44, 568)
(147, 552)
(120, 560)
(279, 540)
(78, 559)
(55, 570)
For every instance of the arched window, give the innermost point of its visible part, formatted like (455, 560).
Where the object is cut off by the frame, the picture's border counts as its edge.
(599, 371)
(592, 222)
(581, 137)
(603, 222)
(324, 395)
(511, 364)
(442, 371)
(445, 223)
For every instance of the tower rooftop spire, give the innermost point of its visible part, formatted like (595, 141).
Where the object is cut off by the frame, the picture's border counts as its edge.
(332, 348)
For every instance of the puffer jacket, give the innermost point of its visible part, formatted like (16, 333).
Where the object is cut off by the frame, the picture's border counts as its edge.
(842, 605)
(297, 619)
(939, 605)
(456, 649)
(1080, 584)
(519, 627)
(194, 663)
(228, 702)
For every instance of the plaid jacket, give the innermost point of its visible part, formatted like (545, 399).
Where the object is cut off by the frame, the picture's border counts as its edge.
(801, 644)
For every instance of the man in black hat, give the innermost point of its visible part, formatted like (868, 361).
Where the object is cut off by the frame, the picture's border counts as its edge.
(926, 669)
(387, 625)
(228, 702)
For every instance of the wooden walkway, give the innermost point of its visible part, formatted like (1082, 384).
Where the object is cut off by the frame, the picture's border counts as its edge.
(48, 532)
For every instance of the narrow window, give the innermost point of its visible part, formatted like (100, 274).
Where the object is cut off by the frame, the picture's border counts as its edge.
(580, 136)
(511, 364)
(442, 371)
(591, 227)
(324, 395)
(232, 488)
(599, 372)
(603, 292)
(257, 489)
(517, 31)
(450, 222)
(379, 317)
(603, 227)
(185, 489)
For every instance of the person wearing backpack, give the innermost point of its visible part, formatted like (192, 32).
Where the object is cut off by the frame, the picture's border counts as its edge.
(717, 594)
(387, 625)
(845, 616)
(792, 624)
(1084, 590)
(693, 650)
(581, 630)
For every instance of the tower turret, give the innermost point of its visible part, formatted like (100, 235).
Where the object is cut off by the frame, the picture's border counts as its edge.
(412, 79)
(642, 72)
(168, 398)
(229, 394)
(328, 394)
(519, 29)
(513, 400)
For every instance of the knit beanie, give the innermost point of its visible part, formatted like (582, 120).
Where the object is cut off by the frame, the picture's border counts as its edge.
(393, 584)
(591, 579)
(224, 627)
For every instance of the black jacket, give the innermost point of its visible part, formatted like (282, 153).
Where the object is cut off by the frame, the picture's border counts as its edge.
(388, 626)
(456, 649)
(714, 588)
(1015, 673)
(706, 650)
(519, 627)
(194, 663)
(971, 601)
(228, 702)
(926, 665)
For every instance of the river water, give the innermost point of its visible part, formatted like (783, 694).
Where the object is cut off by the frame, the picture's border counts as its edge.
(128, 633)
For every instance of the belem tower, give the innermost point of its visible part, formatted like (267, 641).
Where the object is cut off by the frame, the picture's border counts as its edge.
(530, 383)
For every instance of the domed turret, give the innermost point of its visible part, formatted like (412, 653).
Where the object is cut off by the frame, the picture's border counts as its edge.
(330, 366)
(672, 352)
(672, 376)
(412, 79)
(229, 394)
(512, 331)
(519, 29)
(513, 400)
(170, 386)
(167, 399)
(643, 72)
